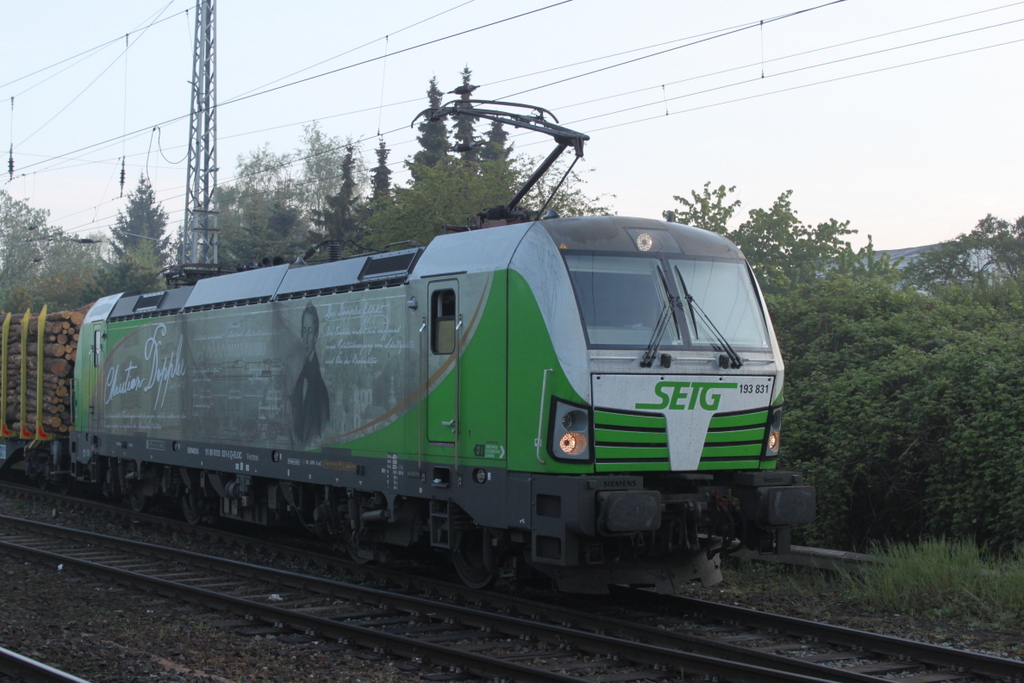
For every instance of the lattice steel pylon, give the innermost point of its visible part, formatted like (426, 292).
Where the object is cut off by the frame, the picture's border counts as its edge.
(200, 238)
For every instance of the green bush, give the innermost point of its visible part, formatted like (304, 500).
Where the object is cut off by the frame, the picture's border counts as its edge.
(906, 411)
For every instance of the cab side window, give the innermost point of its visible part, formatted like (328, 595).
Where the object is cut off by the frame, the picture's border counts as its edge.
(442, 312)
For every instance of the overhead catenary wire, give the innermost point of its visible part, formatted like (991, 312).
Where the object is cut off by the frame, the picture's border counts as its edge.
(727, 29)
(621, 111)
(383, 77)
(722, 34)
(327, 73)
(89, 51)
(806, 52)
(707, 36)
(124, 116)
(84, 90)
(360, 47)
(93, 226)
(829, 63)
(817, 83)
(10, 159)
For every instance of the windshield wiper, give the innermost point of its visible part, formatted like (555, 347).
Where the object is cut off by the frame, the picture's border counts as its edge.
(730, 358)
(659, 328)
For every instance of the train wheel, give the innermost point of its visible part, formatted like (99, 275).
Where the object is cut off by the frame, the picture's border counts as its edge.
(137, 499)
(354, 552)
(190, 508)
(473, 563)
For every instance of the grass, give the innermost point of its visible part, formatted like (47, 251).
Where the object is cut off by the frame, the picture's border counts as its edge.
(941, 578)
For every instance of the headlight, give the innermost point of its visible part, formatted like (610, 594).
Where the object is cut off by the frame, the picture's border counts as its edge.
(774, 440)
(573, 443)
(570, 432)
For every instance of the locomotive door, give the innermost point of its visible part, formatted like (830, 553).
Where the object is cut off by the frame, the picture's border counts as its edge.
(91, 372)
(443, 363)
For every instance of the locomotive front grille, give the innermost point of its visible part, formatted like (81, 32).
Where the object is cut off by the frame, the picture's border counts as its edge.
(734, 440)
(630, 441)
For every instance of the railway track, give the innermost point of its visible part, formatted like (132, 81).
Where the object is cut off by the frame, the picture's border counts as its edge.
(17, 667)
(507, 637)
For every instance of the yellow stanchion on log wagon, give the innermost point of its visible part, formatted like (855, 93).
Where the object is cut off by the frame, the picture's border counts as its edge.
(5, 431)
(37, 433)
(25, 432)
(40, 337)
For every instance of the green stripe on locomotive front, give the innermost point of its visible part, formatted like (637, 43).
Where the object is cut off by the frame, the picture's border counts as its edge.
(533, 368)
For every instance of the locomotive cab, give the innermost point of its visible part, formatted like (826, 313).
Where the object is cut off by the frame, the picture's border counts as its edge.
(664, 381)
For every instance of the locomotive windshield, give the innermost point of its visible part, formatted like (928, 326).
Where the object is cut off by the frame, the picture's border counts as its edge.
(621, 299)
(723, 290)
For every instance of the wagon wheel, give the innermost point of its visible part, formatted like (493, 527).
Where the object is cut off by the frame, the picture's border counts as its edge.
(44, 475)
(471, 563)
(65, 482)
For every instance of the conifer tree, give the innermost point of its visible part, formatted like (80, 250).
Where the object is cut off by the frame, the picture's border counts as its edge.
(380, 182)
(464, 125)
(144, 220)
(339, 218)
(496, 149)
(433, 137)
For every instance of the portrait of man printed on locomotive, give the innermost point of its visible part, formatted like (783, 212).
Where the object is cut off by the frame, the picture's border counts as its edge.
(310, 400)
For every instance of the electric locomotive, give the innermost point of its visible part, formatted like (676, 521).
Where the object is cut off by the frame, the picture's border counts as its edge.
(594, 399)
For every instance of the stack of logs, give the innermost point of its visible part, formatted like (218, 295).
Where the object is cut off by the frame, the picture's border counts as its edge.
(60, 348)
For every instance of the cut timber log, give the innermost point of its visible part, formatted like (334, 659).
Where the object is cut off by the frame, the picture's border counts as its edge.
(57, 337)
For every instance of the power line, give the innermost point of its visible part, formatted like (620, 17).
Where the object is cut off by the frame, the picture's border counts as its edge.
(464, 32)
(811, 85)
(326, 73)
(807, 68)
(723, 34)
(402, 51)
(359, 47)
(91, 83)
(763, 94)
(86, 53)
(91, 225)
(790, 56)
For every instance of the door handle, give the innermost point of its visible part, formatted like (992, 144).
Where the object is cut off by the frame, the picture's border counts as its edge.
(449, 423)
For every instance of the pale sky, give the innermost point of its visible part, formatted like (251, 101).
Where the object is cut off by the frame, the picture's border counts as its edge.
(902, 117)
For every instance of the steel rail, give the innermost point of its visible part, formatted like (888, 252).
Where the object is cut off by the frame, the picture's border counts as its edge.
(933, 655)
(646, 654)
(936, 655)
(345, 633)
(22, 668)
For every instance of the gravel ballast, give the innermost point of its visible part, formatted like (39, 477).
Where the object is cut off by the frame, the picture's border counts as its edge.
(102, 633)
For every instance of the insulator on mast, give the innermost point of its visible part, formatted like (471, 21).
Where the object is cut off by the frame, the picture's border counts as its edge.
(10, 158)
(122, 176)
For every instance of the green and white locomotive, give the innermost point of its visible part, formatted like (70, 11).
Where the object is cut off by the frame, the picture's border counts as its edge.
(593, 399)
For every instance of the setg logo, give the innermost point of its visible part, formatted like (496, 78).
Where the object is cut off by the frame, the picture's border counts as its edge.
(687, 395)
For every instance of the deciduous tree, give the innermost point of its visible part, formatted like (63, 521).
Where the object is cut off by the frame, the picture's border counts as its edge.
(708, 209)
(991, 255)
(261, 214)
